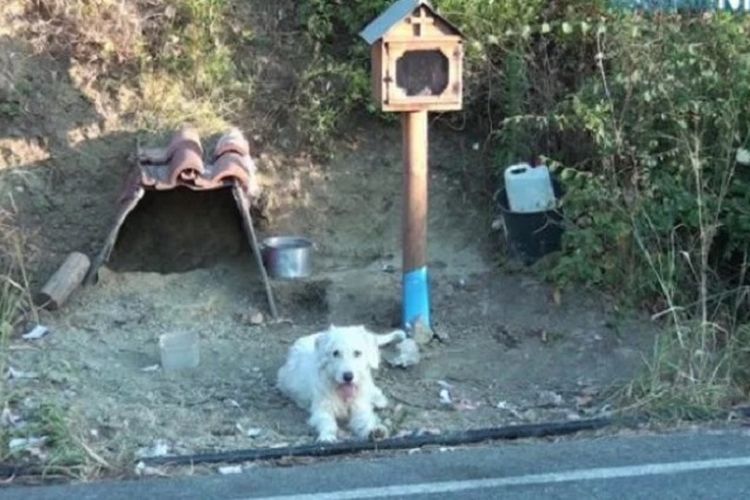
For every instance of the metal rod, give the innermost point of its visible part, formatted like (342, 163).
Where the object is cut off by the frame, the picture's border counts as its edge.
(109, 242)
(244, 205)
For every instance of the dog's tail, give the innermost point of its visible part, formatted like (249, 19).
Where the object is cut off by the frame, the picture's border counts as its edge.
(389, 338)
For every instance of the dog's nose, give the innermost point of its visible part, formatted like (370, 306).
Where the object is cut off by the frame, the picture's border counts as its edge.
(348, 377)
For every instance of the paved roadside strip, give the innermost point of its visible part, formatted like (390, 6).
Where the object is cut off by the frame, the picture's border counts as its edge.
(495, 484)
(699, 464)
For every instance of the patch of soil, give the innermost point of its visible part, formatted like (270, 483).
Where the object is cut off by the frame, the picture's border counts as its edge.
(512, 354)
(180, 230)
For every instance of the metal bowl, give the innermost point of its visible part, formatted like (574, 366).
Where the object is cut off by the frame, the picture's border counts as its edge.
(287, 257)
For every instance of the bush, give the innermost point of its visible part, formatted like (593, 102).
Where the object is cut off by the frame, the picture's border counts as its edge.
(658, 213)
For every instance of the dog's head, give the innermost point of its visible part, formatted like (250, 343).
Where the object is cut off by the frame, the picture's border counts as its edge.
(345, 357)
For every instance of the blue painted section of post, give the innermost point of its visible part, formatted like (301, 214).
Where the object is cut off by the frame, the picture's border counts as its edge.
(416, 298)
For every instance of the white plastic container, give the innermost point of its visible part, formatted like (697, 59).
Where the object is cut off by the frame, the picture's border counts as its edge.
(529, 189)
(179, 351)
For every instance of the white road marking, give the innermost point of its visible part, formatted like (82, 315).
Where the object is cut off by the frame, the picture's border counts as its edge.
(597, 474)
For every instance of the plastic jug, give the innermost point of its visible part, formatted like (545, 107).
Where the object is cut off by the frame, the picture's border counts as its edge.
(529, 188)
(179, 351)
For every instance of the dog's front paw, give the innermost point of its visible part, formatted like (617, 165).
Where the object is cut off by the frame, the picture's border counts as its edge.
(327, 438)
(378, 432)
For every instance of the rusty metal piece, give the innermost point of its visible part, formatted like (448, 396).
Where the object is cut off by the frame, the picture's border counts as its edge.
(243, 204)
(181, 164)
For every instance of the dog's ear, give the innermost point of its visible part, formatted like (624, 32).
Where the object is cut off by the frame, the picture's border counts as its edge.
(321, 348)
(372, 351)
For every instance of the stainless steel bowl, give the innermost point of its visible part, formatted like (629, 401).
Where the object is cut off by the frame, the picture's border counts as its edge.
(287, 257)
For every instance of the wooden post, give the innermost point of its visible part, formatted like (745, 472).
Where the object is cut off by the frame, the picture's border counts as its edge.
(67, 278)
(416, 296)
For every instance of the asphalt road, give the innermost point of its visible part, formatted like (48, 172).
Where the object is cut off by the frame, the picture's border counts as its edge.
(702, 464)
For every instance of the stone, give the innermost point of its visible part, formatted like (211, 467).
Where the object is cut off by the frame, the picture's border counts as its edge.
(549, 398)
(257, 319)
(441, 334)
(421, 333)
(403, 354)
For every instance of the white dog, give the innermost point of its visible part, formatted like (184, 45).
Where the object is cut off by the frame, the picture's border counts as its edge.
(329, 375)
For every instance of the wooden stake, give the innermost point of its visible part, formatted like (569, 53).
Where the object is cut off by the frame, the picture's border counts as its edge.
(415, 290)
(67, 278)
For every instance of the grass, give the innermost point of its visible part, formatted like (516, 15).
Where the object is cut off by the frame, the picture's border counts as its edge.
(165, 104)
(169, 62)
(666, 390)
(12, 296)
(699, 366)
(65, 453)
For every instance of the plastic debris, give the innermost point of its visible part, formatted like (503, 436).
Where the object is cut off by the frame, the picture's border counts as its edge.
(257, 319)
(159, 449)
(509, 407)
(445, 397)
(467, 405)
(36, 333)
(10, 419)
(230, 469)
(26, 444)
(251, 432)
(142, 469)
(18, 374)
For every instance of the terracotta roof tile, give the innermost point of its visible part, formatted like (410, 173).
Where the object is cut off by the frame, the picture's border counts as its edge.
(181, 164)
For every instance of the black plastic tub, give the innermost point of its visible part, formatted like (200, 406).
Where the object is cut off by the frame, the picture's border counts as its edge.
(531, 236)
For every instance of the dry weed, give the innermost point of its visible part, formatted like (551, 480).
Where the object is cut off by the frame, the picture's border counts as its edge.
(106, 31)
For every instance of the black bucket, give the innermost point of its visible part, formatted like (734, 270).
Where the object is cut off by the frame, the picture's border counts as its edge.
(531, 236)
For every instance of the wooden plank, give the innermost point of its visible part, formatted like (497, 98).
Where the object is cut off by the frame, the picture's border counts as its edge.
(378, 78)
(64, 282)
(415, 107)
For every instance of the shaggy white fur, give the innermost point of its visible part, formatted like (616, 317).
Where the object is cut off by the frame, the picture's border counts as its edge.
(329, 375)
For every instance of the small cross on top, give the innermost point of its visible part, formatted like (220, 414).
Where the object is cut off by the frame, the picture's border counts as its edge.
(419, 20)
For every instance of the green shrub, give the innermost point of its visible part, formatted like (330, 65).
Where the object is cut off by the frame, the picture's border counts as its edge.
(667, 114)
(660, 214)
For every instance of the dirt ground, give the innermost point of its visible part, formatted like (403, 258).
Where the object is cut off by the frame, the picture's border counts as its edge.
(514, 354)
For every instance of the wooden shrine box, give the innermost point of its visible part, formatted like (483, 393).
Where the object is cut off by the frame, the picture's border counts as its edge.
(417, 59)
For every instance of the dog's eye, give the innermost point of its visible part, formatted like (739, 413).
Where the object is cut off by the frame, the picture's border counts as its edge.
(357, 354)
(336, 354)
